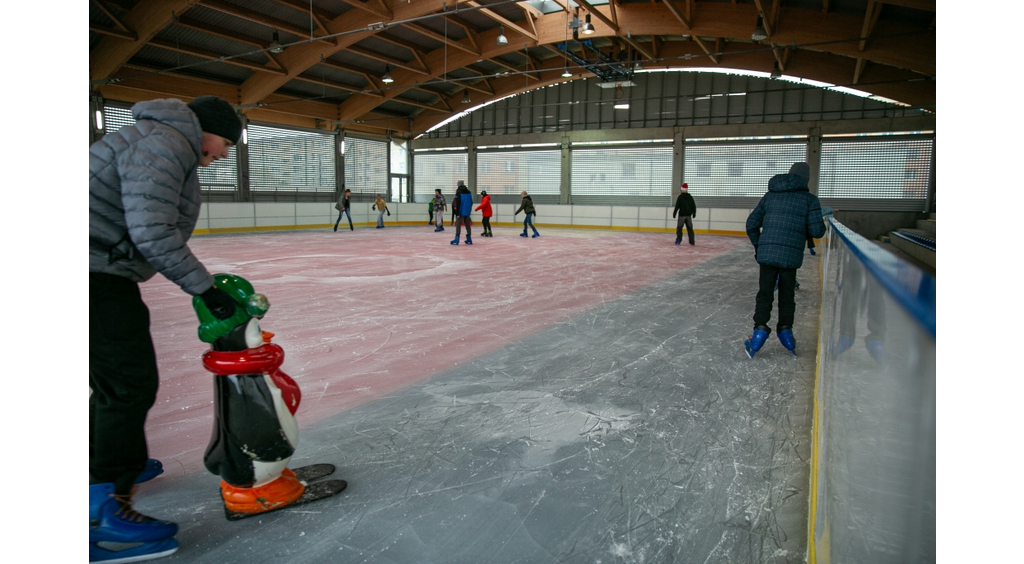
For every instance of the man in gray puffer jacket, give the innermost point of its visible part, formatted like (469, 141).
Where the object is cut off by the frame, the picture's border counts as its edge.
(144, 200)
(778, 228)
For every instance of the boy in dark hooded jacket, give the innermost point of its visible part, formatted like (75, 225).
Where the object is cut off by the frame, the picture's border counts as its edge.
(463, 206)
(778, 228)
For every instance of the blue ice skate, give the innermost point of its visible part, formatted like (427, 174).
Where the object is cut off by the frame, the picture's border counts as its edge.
(112, 520)
(756, 340)
(153, 469)
(787, 339)
(468, 240)
(523, 234)
(535, 234)
(454, 241)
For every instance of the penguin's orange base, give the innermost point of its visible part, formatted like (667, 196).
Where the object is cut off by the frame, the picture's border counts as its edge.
(268, 497)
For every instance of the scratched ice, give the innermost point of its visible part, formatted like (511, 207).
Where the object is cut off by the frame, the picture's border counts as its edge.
(581, 397)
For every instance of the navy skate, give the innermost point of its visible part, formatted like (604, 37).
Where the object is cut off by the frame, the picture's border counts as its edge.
(756, 340)
(153, 469)
(787, 339)
(135, 537)
(454, 241)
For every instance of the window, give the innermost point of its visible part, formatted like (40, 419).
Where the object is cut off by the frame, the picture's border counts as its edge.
(738, 169)
(889, 169)
(366, 166)
(285, 160)
(432, 170)
(622, 171)
(511, 172)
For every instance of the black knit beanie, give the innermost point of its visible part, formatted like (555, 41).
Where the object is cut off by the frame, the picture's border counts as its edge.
(217, 117)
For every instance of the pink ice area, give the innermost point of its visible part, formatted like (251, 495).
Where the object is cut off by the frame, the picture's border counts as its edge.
(361, 314)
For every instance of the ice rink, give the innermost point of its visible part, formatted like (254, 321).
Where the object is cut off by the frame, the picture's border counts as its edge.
(580, 397)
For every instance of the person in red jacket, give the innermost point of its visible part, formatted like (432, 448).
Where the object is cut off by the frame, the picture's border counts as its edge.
(485, 208)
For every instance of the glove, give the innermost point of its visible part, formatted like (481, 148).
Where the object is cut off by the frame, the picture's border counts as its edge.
(373, 207)
(218, 302)
(388, 212)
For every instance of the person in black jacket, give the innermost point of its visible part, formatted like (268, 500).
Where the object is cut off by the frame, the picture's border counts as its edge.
(686, 208)
(527, 206)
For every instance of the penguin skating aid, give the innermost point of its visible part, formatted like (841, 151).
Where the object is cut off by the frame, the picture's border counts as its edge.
(255, 432)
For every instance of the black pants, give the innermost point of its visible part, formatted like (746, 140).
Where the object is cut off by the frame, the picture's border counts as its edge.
(487, 224)
(123, 379)
(684, 220)
(459, 222)
(786, 278)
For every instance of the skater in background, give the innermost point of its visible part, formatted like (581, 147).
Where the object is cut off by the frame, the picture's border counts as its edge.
(687, 209)
(455, 209)
(463, 206)
(430, 212)
(144, 201)
(343, 206)
(439, 206)
(485, 209)
(527, 207)
(381, 208)
(778, 228)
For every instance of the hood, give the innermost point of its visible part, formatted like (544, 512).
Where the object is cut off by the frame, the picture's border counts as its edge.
(787, 183)
(172, 113)
(527, 197)
(462, 190)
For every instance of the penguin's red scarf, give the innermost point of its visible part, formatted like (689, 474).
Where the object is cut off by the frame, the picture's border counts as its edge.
(266, 359)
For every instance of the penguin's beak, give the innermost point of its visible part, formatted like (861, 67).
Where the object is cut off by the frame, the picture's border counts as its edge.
(267, 335)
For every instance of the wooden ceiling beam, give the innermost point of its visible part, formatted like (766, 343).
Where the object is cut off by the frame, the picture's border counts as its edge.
(218, 31)
(338, 85)
(113, 17)
(363, 52)
(678, 14)
(203, 53)
(256, 17)
(512, 68)
(501, 19)
(701, 44)
(380, 9)
(146, 19)
(871, 15)
(427, 32)
(126, 35)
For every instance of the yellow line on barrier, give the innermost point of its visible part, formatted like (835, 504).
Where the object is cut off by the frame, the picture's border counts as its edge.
(812, 501)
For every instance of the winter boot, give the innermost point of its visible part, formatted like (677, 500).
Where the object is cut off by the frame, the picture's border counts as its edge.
(756, 340)
(469, 241)
(153, 469)
(455, 241)
(785, 335)
(282, 491)
(112, 520)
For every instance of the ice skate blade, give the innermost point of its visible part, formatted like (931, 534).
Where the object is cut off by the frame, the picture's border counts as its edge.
(138, 553)
(314, 492)
(313, 472)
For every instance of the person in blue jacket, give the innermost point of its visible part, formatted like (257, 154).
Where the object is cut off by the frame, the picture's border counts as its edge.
(462, 204)
(778, 228)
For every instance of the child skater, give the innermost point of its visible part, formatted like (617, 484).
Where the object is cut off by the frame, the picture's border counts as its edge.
(485, 208)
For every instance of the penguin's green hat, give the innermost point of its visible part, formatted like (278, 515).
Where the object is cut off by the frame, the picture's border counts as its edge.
(250, 304)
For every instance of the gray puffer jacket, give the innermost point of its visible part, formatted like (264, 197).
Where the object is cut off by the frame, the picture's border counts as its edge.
(144, 197)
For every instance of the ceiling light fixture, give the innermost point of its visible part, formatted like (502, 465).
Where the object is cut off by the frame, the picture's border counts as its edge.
(759, 33)
(386, 79)
(502, 40)
(588, 28)
(776, 73)
(465, 97)
(275, 45)
(566, 73)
